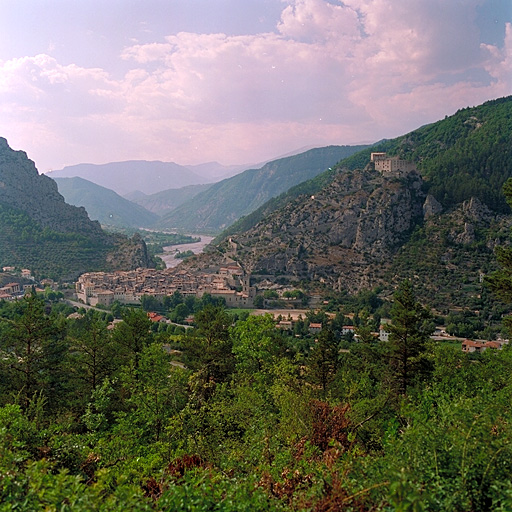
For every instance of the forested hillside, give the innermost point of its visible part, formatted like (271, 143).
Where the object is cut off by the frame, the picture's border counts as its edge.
(465, 155)
(103, 204)
(468, 154)
(39, 231)
(236, 415)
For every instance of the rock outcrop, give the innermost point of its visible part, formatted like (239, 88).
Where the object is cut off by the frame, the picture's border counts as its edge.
(340, 235)
(365, 230)
(431, 207)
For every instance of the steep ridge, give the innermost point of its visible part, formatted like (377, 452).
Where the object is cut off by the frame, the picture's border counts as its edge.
(338, 235)
(22, 188)
(226, 201)
(103, 204)
(468, 154)
(38, 230)
(365, 231)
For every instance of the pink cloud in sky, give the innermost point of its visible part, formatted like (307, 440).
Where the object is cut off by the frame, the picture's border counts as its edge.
(330, 73)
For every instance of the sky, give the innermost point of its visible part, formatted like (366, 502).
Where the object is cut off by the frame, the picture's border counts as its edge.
(238, 81)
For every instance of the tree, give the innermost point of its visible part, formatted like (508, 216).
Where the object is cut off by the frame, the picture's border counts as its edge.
(158, 392)
(207, 351)
(180, 313)
(408, 339)
(133, 334)
(253, 342)
(323, 362)
(150, 303)
(33, 350)
(259, 301)
(95, 358)
(213, 324)
(500, 281)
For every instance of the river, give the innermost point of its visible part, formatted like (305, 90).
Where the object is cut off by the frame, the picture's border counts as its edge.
(170, 251)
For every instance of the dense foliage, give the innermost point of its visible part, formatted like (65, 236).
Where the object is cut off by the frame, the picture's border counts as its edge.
(47, 252)
(237, 415)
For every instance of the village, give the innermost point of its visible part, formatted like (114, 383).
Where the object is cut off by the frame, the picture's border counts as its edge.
(230, 283)
(127, 287)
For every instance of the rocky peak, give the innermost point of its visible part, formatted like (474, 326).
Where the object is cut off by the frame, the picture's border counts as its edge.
(476, 211)
(431, 207)
(23, 188)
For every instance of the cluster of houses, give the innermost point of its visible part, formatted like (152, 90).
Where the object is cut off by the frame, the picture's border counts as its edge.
(127, 287)
(14, 290)
(11, 291)
(477, 346)
(468, 346)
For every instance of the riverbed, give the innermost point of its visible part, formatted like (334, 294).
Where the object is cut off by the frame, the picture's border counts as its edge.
(170, 251)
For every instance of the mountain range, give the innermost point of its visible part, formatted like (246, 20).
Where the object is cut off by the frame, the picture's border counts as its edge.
(347, 229)
(135, 175)
(165, 201)
(224, 202)
(206, 208)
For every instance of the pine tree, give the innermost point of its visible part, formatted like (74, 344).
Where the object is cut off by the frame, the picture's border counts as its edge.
(408, 339)
(33, 352)
(323, 361)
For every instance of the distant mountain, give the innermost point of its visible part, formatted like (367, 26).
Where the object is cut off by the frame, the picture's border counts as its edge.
(354, 228)
(213, 171)
(104, 205)
(226, 201)
(127, 177)
(166, 200)
(39, 231)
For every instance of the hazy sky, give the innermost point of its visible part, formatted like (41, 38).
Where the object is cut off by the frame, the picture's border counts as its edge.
(238, 81)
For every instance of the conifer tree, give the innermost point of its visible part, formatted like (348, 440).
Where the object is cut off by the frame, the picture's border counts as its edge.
(323, 361)
(32, 351)
(408, 339)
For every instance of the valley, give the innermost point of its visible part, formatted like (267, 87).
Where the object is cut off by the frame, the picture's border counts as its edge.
(343, 344)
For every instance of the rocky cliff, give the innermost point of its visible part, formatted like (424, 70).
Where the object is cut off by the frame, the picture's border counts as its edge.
(39, 230)
(23, 188)
(339, 234)
(366, 230)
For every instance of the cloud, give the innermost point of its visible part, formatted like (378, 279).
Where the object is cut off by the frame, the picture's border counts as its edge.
(319, 21)
(330, 72)
(499, 65)
(41, 85)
